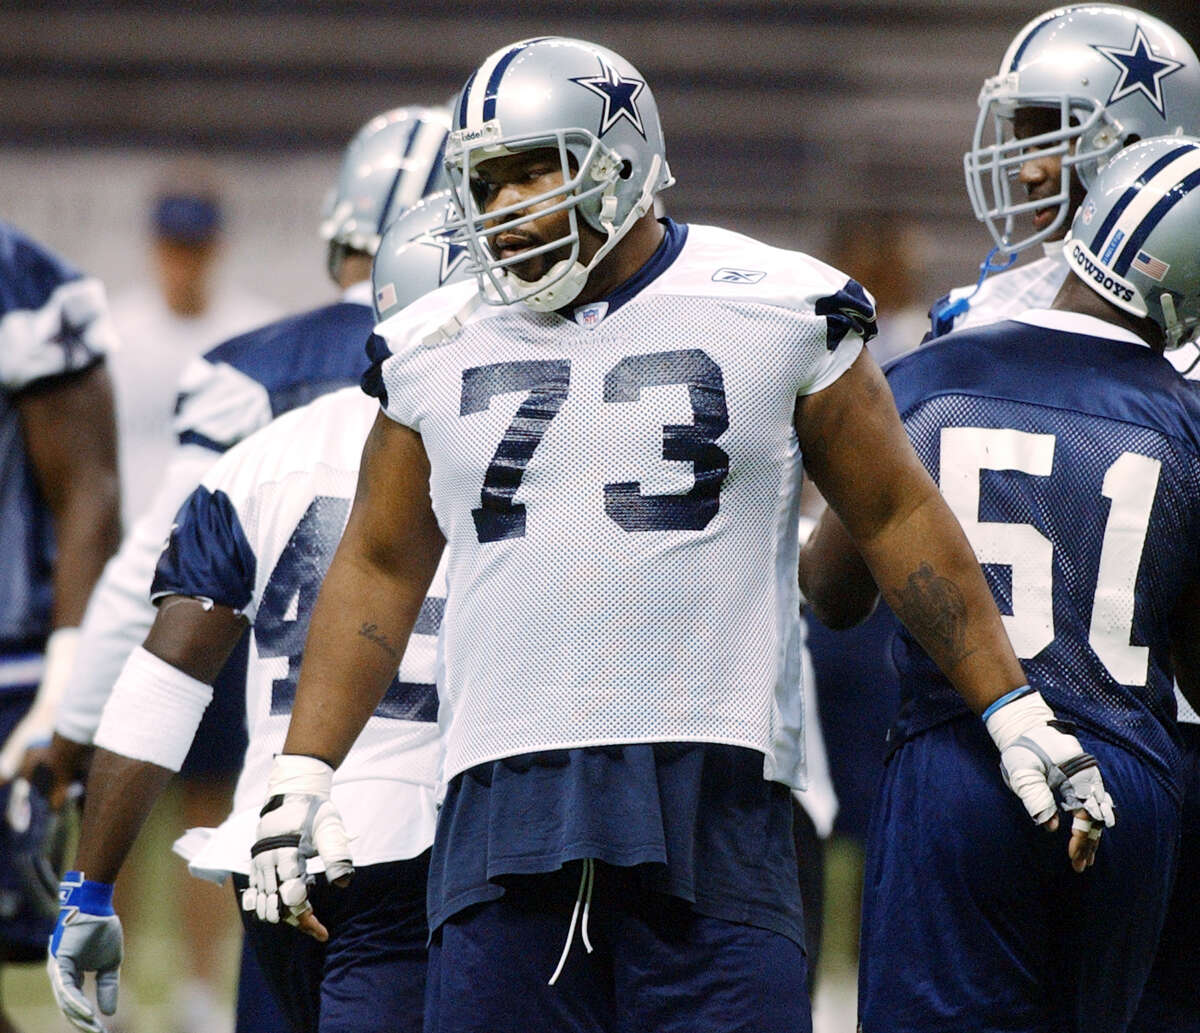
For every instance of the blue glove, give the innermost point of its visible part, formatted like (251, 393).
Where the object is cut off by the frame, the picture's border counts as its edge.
(86, 938)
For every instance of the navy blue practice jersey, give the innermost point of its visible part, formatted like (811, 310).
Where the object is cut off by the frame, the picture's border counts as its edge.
(1070, 453)
(54, 322)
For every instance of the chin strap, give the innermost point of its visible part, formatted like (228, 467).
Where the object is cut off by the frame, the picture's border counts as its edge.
(566, 285)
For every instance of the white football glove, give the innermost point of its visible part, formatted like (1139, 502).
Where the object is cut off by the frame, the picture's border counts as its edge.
(1043, 763)
(298, 822)
(86, 938)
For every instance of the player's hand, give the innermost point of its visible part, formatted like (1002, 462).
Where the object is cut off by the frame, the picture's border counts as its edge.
(1044, 764)
(86, 938)
(298, 822)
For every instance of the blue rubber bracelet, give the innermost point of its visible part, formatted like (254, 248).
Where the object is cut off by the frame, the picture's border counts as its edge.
(1008, 697)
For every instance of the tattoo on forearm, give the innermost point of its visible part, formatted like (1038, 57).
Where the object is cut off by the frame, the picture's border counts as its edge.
(932, 608)
(372, 632)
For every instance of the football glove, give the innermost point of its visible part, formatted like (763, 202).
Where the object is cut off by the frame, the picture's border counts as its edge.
(297, 823)
(1043, 762)
(86, 938)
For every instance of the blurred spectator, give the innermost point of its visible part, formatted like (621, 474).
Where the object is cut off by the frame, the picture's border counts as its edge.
(179, 312)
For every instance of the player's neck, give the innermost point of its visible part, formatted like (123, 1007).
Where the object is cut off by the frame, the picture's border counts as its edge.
(1076, 296)
(633, 251)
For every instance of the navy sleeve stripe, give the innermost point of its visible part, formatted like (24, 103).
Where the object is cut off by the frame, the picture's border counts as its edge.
(194, 437)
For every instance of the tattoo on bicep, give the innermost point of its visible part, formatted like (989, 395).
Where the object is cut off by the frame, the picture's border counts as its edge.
(932, 608)
(372, 632)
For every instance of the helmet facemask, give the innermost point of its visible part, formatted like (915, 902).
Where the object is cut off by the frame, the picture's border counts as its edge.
(1082, 141)
(590, 173)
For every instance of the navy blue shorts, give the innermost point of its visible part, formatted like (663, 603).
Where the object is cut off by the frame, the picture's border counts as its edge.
(1171, 1000)
(371, 973)
(657, 965)
(973, 918)
(24, 928)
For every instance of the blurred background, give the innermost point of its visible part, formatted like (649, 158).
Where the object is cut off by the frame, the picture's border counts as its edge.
(837, 128)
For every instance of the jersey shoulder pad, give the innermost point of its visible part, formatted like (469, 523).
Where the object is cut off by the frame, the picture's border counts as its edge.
(53, 319)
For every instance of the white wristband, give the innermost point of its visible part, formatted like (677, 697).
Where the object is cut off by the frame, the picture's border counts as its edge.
(1009, 721)
(297, 773)
(153, 712)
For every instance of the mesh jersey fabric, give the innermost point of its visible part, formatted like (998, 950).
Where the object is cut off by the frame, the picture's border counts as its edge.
(258, 536)
(1119, 433)
(621, 499)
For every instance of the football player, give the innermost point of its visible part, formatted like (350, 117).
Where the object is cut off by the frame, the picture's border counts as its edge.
(60, 508)
(607, 437)
(233, 390)
(251, 545)
(1076, 85)
(1070, 451)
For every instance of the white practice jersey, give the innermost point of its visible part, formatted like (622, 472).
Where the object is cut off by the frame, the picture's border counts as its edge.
(1187, 361)
(1007, 294)
(155, 346)
(258, 536)
(225, 396)
(619, 496)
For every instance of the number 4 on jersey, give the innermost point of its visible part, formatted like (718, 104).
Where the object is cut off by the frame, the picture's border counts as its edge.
(1129, 483)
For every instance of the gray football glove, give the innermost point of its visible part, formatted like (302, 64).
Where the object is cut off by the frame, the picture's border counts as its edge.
(86, 938)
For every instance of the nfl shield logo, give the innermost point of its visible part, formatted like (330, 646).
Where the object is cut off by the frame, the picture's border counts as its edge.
(589, 316)
(1089, 213)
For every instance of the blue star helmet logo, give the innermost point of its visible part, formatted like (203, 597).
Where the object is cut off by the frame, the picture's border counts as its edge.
(619, 95)
(72, 339)
(452, 254)
(1141, 70)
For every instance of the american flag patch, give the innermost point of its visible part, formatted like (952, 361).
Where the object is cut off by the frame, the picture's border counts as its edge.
(385, 297)
(1150, 265)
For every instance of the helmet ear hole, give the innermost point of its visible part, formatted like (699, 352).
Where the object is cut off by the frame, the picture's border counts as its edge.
(626, 169)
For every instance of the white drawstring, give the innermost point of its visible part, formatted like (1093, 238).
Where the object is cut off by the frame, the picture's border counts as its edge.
(584, 897)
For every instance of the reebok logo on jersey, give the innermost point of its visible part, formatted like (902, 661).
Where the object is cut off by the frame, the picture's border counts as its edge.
(737, 276)
(1097, 275)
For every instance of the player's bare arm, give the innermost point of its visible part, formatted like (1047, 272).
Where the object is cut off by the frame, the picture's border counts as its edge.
(835, 579)
(856, 450)
(370, 598)
(1185, 644)
(197, 640)
(71, 441)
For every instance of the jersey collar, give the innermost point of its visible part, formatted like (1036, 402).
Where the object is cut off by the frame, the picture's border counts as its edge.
(1078, 323)
(674, 237)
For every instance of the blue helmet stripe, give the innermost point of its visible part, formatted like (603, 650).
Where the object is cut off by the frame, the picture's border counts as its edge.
(401, 168)
(493, 86)
(1118, 209)
(1046, 19)
(460, 121)
(1156, 214)
(435, 170)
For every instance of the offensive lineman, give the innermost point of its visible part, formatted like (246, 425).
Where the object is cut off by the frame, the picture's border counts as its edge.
(1070, 451)
(609, 439)
(60, 509)
(251, 544)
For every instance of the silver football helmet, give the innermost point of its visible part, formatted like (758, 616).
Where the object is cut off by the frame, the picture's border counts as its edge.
(1109, 73)
(595, 110)
(416, 256)
(1134, 238)
(390, 164)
